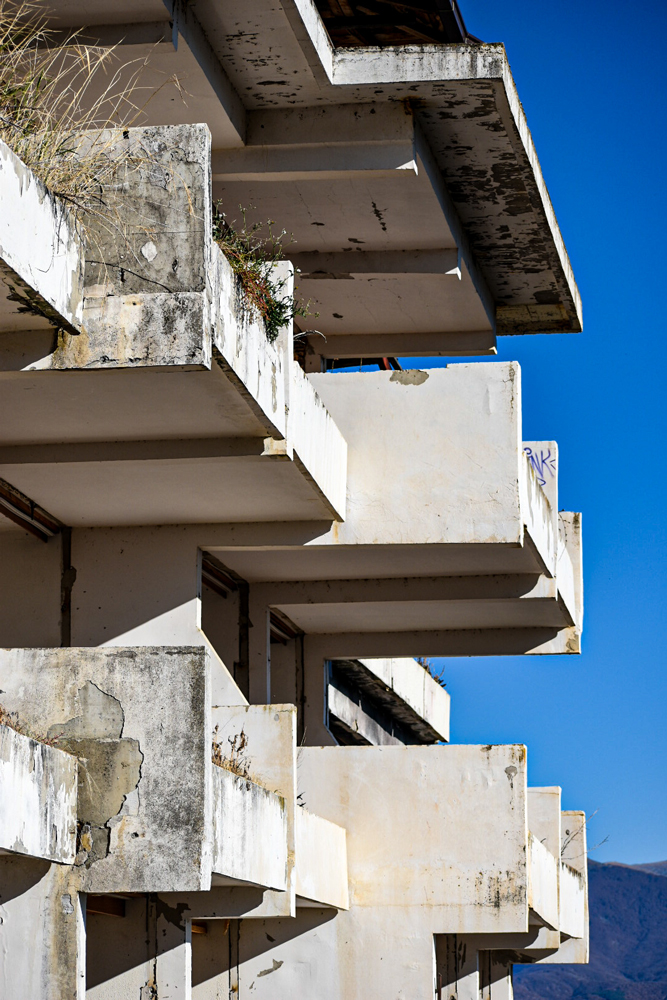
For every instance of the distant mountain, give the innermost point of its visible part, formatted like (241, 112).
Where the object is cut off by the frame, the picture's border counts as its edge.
(628, 912)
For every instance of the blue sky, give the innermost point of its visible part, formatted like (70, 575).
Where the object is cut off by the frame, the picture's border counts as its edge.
(591, 76)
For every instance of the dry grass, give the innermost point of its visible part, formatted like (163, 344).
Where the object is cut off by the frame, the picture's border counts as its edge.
(57, 104)
(12, 721)
(236, 758)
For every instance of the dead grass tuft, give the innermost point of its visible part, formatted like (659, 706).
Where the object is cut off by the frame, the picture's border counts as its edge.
(58, 104)
(236, 758)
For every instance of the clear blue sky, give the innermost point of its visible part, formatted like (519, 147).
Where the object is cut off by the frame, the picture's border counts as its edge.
(591, 76)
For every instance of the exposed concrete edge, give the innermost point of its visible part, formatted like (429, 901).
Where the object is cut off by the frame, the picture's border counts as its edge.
(321, 861)
(38, 789)
(345, 67)
(249, 831)
(29, 211)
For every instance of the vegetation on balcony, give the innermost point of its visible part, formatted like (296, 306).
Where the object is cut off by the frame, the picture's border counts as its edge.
(253, 251)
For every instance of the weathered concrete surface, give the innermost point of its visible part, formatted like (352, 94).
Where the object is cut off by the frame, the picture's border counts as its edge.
(464, 863)
(434, 456)
(29, 588)
(414, 685)
(38, 798)
(42, 934)
(544, 817)
(573, 921)
(260, 369)
(139, 722)
(144, 954)
(543, 883)
(472, 118)
(249, 831)
(41, 261)
(320, 449)
(269, 755)
(321, 861)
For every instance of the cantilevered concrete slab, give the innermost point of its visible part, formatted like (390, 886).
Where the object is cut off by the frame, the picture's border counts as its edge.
(161, 375)
(448, 530)
(282, 102)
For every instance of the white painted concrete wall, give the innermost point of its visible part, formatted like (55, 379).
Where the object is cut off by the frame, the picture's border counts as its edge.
(29, 589)
(437, 829)
(572, 902)
(432, 456)
(319, 446)
(42, 933)
(543, 882)
(38, 242)
(416, 687)
(249, 831)
(321, 861)
(37, 798)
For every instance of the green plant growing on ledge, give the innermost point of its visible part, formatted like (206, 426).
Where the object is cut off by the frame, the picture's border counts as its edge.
(253, 252)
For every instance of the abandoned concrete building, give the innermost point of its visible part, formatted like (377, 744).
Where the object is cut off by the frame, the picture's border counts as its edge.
(222, 770)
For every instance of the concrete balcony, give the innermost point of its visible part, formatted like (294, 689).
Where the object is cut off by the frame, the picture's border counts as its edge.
(249, 832)
(452, 543)
(385, 701)
(321, 862)
(561, 836)
(38, 786)
(543, 884)
(158, 347)
(41, 260)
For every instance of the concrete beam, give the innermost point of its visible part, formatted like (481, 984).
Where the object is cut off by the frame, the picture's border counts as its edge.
(453, 642)
(427, 588)
(321, 266)
(112, 35)
(139, 451)
(331, 125)
(356, 719)
(420, 345)
(294, 163)
(186, 25)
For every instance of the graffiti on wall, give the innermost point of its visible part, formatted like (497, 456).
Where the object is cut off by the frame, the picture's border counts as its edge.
(543, 463)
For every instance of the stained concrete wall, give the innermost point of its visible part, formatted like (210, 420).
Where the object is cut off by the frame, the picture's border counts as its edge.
(433, 456)
(269, 756)
(38, 789)
(543, 883)
(472, 830)
(29, 589)
(249, 831)
(40, 251)
(42, 939)
(139, 722)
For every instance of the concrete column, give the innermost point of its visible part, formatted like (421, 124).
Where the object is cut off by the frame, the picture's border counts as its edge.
(173, 962)
(495, 976)
(42, 931)
(457, 968)
(259, 650)
(314, 694)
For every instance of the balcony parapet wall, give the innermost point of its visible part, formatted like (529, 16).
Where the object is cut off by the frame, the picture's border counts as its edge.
(41, 256)
(156, 292)
(38, 785)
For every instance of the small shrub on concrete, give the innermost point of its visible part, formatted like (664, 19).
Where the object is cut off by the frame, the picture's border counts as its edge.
(253, 252)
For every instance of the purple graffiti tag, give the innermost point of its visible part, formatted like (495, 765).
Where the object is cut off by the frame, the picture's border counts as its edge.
(542, 463)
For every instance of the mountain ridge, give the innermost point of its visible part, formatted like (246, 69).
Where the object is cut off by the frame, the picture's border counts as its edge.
(628, 921)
